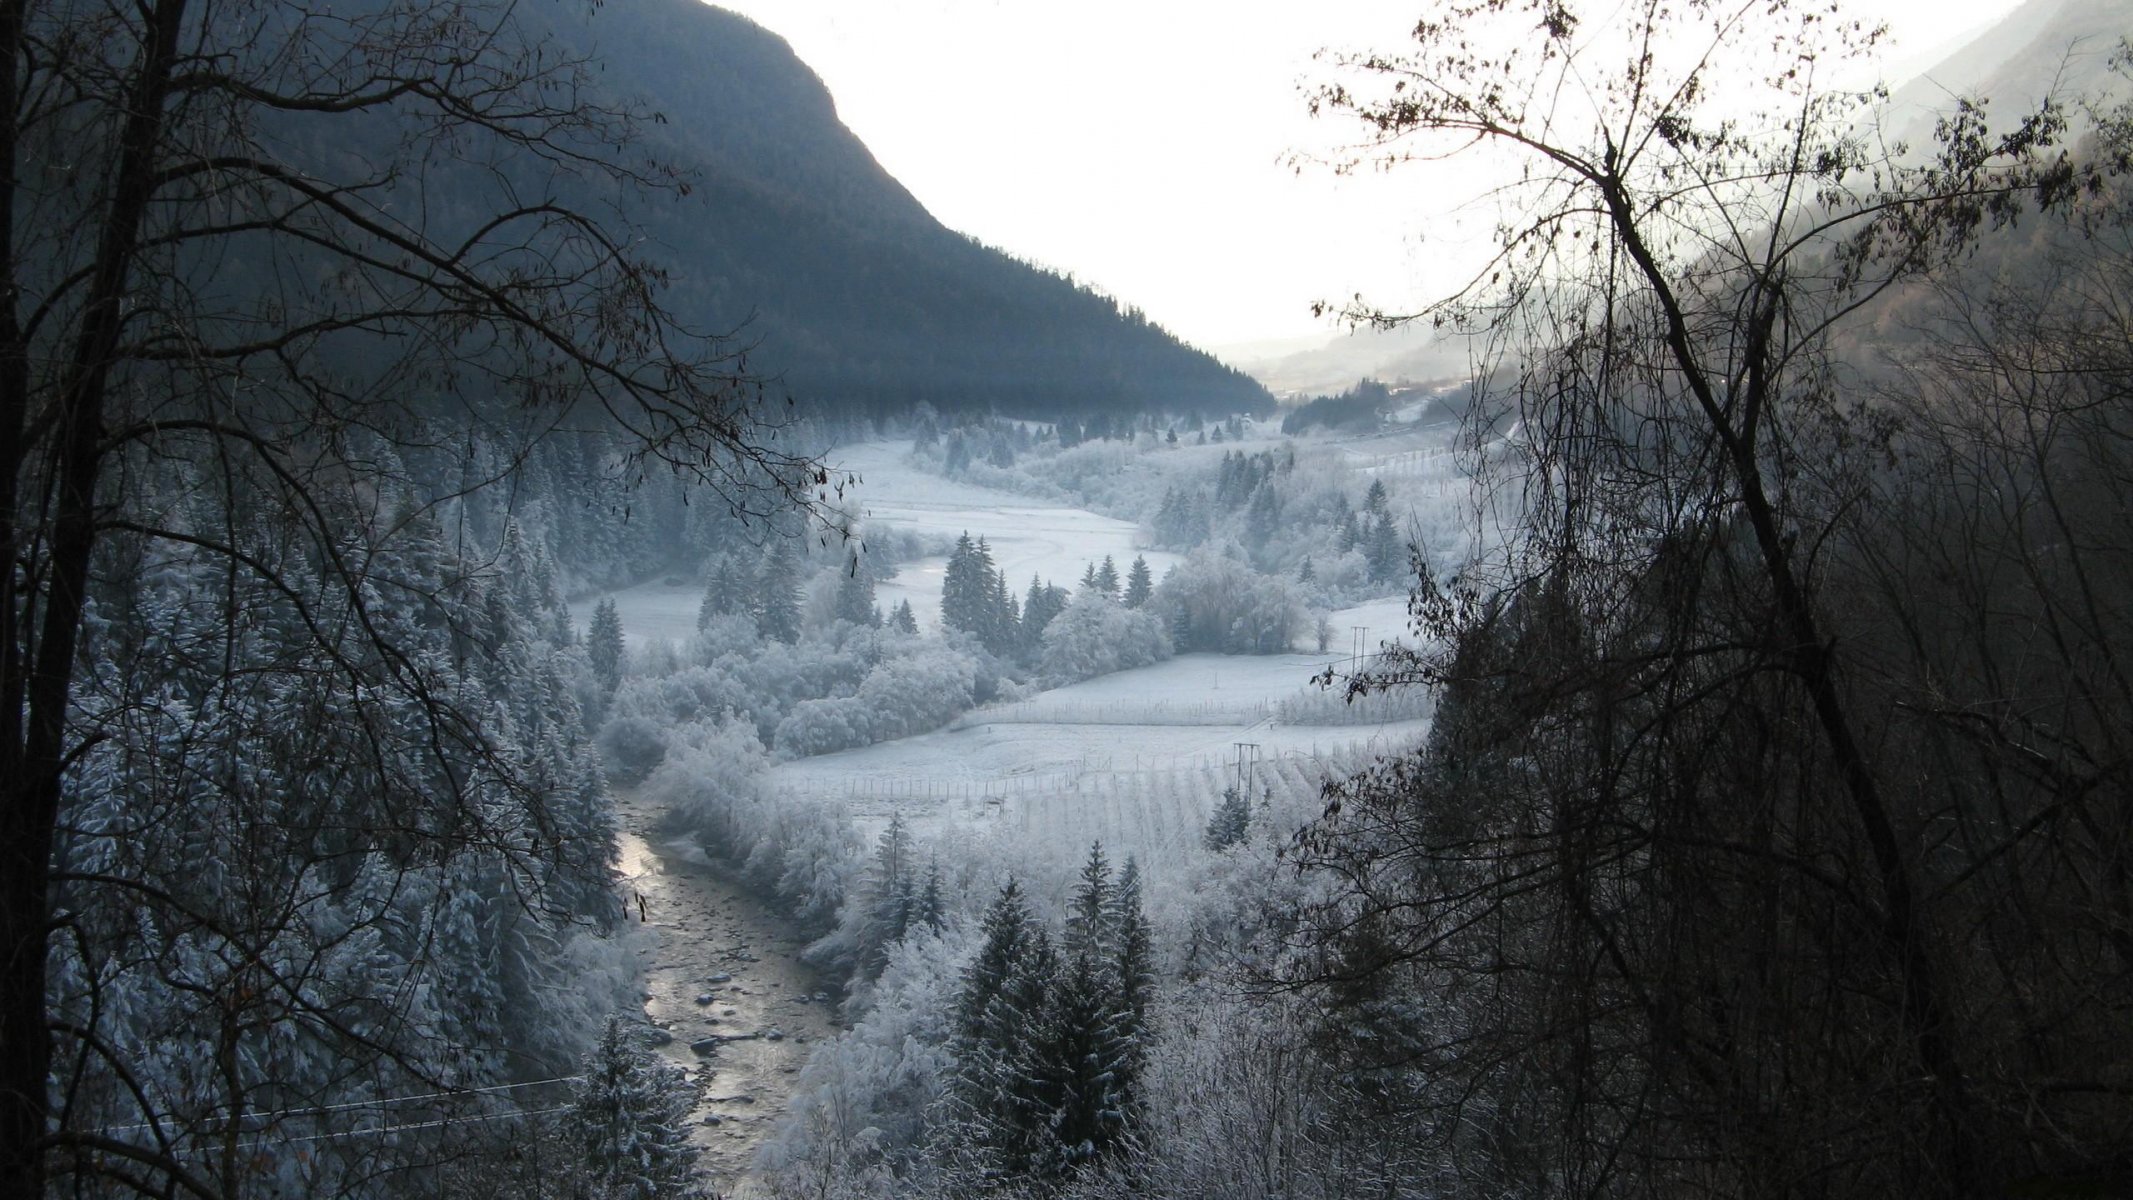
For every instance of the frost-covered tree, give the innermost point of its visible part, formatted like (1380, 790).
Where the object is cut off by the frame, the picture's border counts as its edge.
(1094, 636)
(630, 1116)
(1043, 602)
(1106, 577)
(966, 588)
(603, 643)
(1140, 582)
(777, 595)
(855, 596)
(1231, 821)
(904, 620)
(729, 591)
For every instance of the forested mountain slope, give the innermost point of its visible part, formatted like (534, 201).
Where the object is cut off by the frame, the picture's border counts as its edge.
(857, 297)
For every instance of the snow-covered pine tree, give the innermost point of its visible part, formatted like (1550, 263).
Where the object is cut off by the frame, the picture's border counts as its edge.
(1140, 582)
(777, 596)
(630, 1115)
(855, 596)
(1133, 950)
(931, 910)
(966, 588)
(1044, 602)
(604, 643)
(1377, 501)
(728, 591)
(1003, 622)
(1107, 577)
(1003, 1095)
(1230, 822)
(904, 621)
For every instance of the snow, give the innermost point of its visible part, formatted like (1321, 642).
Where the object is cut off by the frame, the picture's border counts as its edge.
(1027, 537)
(1136, 759)
(656, 610)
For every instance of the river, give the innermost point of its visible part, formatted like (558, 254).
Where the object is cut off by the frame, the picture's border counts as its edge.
(713, 941)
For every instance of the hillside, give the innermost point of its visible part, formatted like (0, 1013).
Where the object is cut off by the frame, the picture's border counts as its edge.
(858, 299)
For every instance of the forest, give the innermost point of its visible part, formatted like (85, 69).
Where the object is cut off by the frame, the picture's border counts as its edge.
(1741, 807)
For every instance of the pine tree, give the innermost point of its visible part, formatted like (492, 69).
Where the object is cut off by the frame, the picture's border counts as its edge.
(777, 597)
(1043, 602)
(1107, 578)
(855, 596)
(1090, 1055)
(905, 621)
(1003, 624)
(1003, 1098)
(966, 588)
(630, 1118)
(890, 896)
(603, 643)
(1133, 945)
(931, 911)
(728, 592)
(1307, 573)
(1377, 501)
(1140, 583)
(1231, 821)
(1385, 551)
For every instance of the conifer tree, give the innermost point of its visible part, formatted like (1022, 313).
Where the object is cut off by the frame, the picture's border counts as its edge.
(1107, 578)
(630, 1117)
(1044, 602)
(855, 596)
(1377, 501)
(603, 643)
(1003, 625)
(1232, 819)
(890, 897)
(905, 621)
(931, 910)
(728, 592)
(1133, 945)
(966, 588)
(777, 596)
(1140, 583)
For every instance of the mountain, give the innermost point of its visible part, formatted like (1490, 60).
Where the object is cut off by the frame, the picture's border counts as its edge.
(856, 297)
(2059, 48)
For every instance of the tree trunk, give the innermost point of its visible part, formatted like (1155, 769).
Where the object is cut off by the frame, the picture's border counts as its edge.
(29, 808)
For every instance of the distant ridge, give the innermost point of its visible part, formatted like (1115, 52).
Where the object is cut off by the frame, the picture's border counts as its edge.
(859, 300)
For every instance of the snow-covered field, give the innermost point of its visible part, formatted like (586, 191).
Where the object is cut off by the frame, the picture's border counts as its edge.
(1027, 537)
(1137, 759)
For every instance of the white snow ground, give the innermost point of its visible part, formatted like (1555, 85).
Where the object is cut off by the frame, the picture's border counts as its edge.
(1027, 537)
(1138, 758)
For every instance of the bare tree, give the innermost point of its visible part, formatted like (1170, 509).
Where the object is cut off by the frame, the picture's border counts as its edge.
(1656, 904)
(259, 245)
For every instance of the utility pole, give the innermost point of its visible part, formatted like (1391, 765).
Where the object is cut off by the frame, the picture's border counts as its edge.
(1247, 766)
(1362, 638)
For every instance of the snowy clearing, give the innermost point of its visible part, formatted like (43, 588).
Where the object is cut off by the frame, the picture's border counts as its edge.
(1027, 537)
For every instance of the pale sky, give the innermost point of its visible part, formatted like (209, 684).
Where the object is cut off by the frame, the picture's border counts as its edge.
(1145, 146)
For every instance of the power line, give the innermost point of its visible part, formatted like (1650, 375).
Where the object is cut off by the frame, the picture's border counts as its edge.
(378, 1103)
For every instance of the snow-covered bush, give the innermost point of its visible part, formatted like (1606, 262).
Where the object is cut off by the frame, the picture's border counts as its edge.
(1216, 601)
(825, 726)
(632, 745)
(1095, 635)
